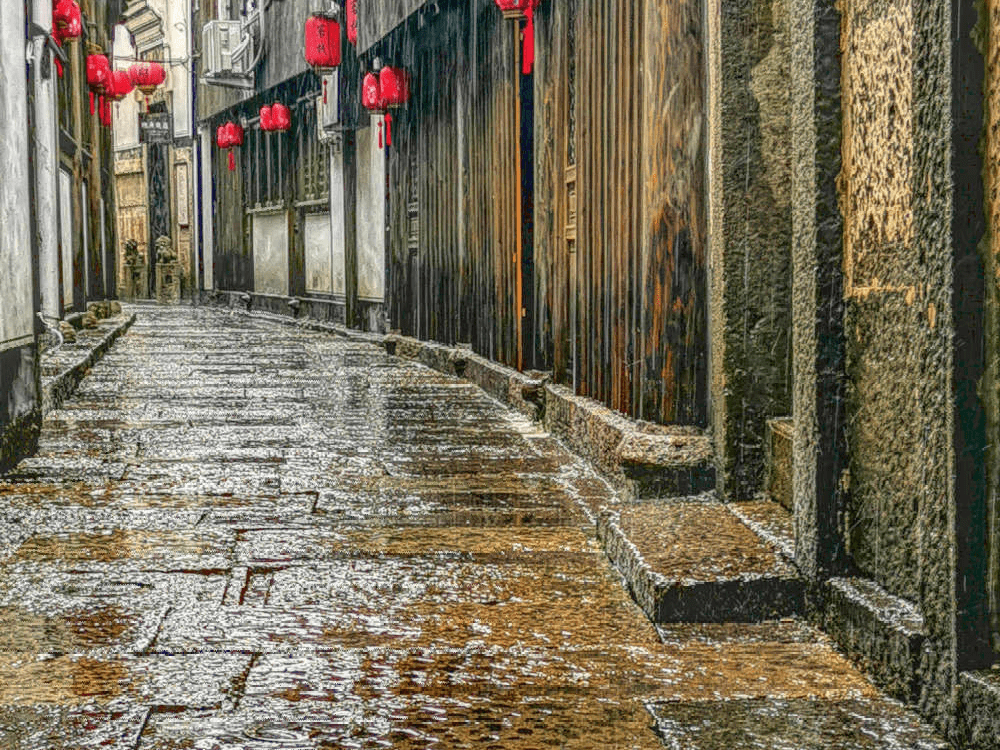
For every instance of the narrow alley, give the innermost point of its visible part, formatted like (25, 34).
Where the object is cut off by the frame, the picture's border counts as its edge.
(242, 534)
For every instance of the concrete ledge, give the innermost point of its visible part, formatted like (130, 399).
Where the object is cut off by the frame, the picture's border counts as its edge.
(71, 363)
(979, 710)
(883, 633)
(639, 458)
(716, 583)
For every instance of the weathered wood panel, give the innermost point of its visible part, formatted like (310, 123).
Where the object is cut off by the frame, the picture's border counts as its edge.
(523, 209)
(376, 18)
(454, 206)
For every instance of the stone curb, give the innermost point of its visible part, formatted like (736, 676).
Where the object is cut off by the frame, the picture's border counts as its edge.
(57, 388)
(664, 600)
(979, 709)
(881, 632)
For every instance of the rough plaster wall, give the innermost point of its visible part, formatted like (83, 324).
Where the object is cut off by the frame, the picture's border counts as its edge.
(270, 253)
(896, 198)
(991, 261)
(133, 215)
(753, 364)
(319, 268)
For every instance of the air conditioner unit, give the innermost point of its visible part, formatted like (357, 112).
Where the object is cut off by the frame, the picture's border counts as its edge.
(226, 50)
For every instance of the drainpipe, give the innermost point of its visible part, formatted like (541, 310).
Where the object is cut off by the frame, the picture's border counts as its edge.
(46, 148)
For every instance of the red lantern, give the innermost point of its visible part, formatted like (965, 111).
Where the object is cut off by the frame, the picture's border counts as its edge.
(121, 85)
(266, 118)
(235, 133)
(523, 9)
(394, 86)
(281, 117)
(66, 20)
(351, 11)
(322, 44)
(371, 94)
(228, 136)
(146, 76)
(98, 78)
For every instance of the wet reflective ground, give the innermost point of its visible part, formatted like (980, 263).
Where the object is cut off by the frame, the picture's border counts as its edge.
(237, 534)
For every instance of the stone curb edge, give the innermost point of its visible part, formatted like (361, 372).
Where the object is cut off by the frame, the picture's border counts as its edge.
(59, 387)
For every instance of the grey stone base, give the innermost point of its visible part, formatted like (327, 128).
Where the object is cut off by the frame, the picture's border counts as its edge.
(881, 632)
(795, 724)
(979, 710)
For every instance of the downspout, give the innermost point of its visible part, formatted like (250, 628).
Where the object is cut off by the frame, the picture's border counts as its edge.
(46, 159)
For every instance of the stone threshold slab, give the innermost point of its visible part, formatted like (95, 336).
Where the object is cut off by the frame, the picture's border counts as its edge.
(692, 560)
(797, 724)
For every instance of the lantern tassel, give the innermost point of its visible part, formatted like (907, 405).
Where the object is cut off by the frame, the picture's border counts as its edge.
(388, 130)
(528, 57)
(232, 161)
(324, 90)
(91, 103)
(380, 135)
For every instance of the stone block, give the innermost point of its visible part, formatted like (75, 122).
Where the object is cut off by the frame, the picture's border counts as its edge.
(168, 282)
(778, 461)
(882, 632)
(690, 560)
(135, 283)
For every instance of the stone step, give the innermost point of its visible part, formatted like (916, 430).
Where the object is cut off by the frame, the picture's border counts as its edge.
(691, 559)
(801, 723)
(778, 460)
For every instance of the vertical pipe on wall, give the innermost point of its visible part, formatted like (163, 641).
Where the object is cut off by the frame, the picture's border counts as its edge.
(46, 162)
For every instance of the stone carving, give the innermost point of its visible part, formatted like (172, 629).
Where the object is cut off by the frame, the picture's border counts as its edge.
(165, 251)
(136, 283)
(168, 280)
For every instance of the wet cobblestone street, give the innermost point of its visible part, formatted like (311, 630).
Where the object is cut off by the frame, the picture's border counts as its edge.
(238, 534)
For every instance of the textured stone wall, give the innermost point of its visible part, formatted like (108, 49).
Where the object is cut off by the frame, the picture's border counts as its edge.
(895, 195)
(751, 228)
(991, 261)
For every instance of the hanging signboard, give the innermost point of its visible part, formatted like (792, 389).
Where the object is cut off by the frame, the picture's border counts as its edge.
(156, 127)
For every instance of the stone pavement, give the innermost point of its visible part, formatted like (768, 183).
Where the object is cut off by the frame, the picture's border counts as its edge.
(238, 534)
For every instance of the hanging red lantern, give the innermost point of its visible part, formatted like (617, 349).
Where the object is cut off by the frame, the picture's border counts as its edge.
(394, 86)
(281, 116)
(235, 133)
(98, 78)
(371, 94)
(146, 76)
(394, 90)
(266, 118)
(121, 85)
(322, 44)
(351, 12)
(518, 9)
(67, 23)
(229, 136)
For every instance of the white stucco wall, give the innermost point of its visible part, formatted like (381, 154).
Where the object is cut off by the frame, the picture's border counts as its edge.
(16, 284)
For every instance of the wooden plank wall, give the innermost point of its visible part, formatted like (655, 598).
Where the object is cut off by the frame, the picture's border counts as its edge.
(640, 260)
(640, 298)
(455, 153)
